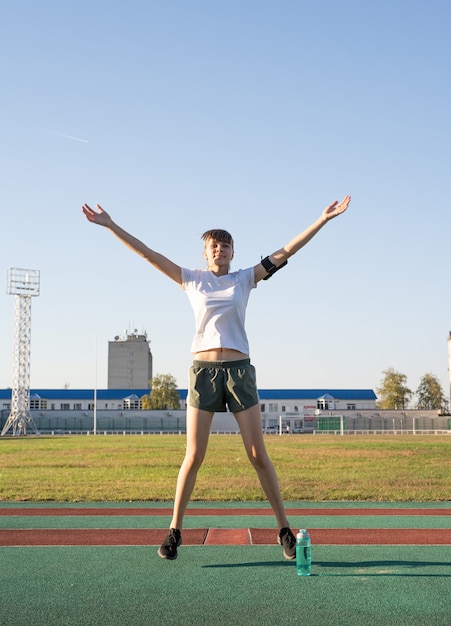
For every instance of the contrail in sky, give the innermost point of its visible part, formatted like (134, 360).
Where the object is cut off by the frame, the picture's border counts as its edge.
(68, 136)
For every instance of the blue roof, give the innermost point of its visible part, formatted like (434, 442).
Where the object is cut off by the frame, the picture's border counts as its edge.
(79, 394)
(265, 394)
(300, 394)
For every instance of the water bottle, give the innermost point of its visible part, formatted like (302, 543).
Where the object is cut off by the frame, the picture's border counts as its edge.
(303, 553)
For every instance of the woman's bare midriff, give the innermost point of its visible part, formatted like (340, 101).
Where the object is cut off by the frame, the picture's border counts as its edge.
(220, 354)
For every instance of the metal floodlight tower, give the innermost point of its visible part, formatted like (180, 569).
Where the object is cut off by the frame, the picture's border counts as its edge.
(23, 285)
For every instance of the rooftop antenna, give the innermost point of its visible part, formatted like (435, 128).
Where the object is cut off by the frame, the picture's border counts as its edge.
(23, 285)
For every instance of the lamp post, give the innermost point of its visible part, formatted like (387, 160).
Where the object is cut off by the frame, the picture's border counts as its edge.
(449, 366)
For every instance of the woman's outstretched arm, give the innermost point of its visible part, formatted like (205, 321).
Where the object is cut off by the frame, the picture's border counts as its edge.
(102, 218)
(279, 257)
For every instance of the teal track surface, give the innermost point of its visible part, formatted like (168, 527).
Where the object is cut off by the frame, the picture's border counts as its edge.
(221, 584)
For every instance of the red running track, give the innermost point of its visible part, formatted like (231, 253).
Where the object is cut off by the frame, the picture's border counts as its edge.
(219, 536)
(219, 512)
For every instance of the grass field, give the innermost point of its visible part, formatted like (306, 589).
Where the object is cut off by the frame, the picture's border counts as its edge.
(139, 468)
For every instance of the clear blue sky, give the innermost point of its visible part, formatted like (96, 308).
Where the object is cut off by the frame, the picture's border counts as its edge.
(250, 115)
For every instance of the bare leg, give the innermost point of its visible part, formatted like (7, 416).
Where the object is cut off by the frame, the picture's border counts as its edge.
(198, 423)
(250, 424)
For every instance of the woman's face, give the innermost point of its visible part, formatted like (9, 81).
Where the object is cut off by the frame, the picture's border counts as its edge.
(218, 254)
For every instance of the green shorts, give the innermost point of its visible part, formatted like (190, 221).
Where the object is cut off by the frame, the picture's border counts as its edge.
(216, 385)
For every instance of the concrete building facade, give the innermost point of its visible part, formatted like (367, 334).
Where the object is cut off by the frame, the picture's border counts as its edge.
(129, 362)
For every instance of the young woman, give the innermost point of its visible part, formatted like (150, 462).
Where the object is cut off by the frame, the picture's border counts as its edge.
(221, 376)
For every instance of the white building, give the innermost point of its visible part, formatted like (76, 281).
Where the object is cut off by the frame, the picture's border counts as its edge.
(59, 411)
(66, 410)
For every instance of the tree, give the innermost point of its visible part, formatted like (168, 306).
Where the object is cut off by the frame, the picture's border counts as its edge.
(163, 395)
(430, 394)
(393, 393)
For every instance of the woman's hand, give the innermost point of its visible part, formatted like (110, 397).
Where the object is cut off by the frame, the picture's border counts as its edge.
(100, 217)
(335, 208)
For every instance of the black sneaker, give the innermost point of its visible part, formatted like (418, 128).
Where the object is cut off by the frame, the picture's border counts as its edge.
(168, 549)
(287, 540)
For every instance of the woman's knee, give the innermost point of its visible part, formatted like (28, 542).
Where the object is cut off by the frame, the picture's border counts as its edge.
(194, 459)
(259, 458)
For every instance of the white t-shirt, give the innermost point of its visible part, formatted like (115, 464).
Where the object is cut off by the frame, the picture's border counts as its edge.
(219, 304)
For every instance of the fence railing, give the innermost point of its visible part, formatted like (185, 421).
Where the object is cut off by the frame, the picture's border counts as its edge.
(383, 432)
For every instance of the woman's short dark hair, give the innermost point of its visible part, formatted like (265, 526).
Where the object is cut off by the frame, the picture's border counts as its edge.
(218, 235)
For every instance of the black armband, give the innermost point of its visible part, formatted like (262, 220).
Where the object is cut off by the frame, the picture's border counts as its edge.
(270, 267)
